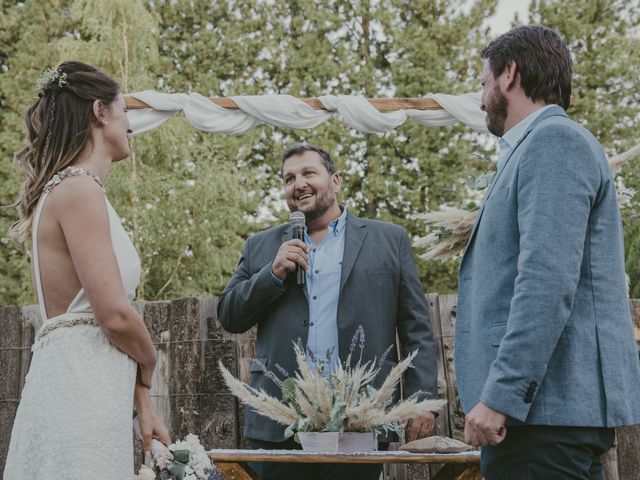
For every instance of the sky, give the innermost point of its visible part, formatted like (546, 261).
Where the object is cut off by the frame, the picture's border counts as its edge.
(501, 21)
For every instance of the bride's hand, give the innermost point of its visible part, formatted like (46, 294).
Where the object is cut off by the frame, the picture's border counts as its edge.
(151, 426)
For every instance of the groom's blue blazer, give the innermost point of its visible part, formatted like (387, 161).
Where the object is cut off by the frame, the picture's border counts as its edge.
(543, 330)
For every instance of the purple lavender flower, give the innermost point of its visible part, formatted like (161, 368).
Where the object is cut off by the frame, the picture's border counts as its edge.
(282, 371)
(216, 474)
(354, 340)
(311, 355)
(385, 354)
(329, 354)
(165, 475)
(361, 331)
(267, 373)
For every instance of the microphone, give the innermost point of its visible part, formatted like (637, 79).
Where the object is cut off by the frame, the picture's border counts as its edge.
(297, 222)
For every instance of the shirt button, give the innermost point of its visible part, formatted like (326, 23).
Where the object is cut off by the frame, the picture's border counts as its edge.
(314, 249)
(315, 297)
(317, 271)
(311, 324)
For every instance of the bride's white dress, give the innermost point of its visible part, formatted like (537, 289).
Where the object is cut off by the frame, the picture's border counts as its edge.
(74, 420)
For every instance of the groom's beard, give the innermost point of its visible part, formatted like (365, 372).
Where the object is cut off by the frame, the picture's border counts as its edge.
(496, 109)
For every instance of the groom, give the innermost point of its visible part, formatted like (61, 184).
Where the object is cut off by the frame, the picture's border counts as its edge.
(358, 272)
(546, 360)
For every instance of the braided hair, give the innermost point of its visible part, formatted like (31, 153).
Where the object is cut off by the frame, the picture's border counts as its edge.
(58, 125)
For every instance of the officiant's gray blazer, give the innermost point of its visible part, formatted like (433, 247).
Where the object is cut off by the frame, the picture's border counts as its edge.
(379, 289)
(543, 330)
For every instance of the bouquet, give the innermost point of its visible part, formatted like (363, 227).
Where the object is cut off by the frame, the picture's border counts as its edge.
(183, 460)
(322, 397)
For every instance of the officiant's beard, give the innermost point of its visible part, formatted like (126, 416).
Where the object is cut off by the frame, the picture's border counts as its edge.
(496, 109)
(321, 206)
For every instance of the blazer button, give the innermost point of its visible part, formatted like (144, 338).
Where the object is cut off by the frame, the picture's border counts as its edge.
(305, 323)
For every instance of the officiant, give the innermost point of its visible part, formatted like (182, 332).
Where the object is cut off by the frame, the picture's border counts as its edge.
(355, 272)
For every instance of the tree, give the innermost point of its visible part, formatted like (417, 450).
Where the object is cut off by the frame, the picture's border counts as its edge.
(604, 39)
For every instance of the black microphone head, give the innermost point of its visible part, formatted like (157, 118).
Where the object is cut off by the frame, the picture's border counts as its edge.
(297, 219)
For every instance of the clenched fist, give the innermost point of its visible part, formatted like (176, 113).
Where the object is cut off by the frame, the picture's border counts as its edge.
(291, 253)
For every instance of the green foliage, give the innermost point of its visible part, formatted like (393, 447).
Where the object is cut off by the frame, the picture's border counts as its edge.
(190, 198)
(603, 38)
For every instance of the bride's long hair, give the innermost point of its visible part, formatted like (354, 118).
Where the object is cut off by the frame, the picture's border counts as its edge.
(58, 127)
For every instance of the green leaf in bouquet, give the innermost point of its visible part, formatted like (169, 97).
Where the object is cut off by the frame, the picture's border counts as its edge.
(181, 456)
(178, 470)
(289, 390)
(338, 417)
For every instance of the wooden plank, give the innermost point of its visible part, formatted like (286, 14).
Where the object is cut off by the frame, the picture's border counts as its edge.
(300, 456)
(233, 471)
(628, 453)
(186, 361)
(447, 307)
(610, 463)
(425, 472)
(10, 380)
(156, 316)
(380, 104)
(31, 322)
(219, 426)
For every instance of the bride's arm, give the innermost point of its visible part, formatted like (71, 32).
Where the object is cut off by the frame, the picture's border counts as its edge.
(79, 205)
(151, 426)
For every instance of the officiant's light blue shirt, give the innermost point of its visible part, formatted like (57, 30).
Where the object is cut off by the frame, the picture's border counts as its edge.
(323, 288)
(510, 139)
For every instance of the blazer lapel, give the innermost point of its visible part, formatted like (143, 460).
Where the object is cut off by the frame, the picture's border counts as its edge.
(355, 234)
(551, 112)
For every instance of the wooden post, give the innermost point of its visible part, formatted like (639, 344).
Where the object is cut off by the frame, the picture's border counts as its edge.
(628, 454)
(11, 380)
(219, 423)
(448, 308)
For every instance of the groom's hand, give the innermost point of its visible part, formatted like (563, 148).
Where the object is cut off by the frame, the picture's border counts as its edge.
(291, 253)
(484, 426)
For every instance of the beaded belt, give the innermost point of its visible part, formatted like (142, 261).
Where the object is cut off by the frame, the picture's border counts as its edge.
(66, 320)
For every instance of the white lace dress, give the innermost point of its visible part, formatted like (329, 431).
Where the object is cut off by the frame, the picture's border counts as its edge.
(74, 420)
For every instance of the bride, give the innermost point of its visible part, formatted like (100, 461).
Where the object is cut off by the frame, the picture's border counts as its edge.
(92, 358)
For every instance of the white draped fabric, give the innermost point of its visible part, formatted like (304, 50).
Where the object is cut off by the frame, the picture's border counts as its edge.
(289, 112)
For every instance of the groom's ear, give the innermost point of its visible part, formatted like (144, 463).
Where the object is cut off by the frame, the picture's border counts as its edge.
(511, 75)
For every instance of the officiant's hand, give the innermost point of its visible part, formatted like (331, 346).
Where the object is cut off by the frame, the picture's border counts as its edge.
(421, 427)
(291, 253)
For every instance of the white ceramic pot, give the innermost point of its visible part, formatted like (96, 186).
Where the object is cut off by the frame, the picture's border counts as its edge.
(338, 442)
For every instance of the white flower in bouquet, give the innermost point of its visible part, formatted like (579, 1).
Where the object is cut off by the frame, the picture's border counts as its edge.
(145, 473)
(161, 454)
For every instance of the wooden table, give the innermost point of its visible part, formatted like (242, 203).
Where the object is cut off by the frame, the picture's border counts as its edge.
(231, 461)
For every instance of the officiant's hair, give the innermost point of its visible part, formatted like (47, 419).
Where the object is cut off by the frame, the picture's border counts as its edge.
(542, 59)
(59, 124)
(307, 147)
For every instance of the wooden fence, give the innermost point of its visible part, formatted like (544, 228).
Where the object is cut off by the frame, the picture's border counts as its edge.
(191, 396)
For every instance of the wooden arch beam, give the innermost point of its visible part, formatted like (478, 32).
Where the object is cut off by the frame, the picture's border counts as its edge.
(381, 104)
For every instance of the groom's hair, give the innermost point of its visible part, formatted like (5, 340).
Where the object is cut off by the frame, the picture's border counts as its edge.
(542, 60)
(307, 147)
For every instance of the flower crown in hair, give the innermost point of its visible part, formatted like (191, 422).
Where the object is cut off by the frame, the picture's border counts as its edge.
(51, 80)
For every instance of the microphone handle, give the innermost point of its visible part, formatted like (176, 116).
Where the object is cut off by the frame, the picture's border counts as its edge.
(301, 275)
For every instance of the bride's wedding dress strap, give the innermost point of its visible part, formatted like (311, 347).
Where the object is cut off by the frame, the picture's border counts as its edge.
(55, 180)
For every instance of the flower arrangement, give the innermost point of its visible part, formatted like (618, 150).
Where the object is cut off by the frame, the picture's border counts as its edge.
(327, 396)
(183, 460)
(51, 78)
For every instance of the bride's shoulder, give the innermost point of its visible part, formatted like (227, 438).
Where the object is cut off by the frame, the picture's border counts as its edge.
(74, 194)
